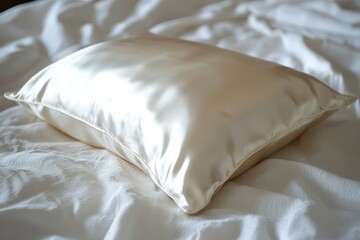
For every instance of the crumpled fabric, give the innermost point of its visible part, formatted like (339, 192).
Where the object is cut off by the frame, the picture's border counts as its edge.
(54, 187)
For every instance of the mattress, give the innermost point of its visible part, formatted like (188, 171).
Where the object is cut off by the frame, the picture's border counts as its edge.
(55, 187)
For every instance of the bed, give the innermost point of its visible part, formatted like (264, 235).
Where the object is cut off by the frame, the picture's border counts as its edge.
(53, 186)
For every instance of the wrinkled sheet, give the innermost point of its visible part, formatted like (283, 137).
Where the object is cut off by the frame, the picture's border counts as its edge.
(54, 187)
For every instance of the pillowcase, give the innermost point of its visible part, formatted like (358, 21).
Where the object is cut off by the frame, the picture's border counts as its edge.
(190, 115)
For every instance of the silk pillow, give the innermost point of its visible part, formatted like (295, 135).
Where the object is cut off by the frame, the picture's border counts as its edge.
(190, 115)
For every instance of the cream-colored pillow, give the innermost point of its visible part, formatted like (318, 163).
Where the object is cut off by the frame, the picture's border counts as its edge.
(189, 115)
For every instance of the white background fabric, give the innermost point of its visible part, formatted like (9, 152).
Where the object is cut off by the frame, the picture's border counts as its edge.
(53, 187)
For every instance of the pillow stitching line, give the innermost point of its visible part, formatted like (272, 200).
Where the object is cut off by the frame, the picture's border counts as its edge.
(61, 110)
(153, 176)
(347, 99)
(271, 140)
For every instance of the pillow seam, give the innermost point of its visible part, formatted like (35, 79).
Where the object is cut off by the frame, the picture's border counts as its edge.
(212, 186)
(107, 132)
(274, 138)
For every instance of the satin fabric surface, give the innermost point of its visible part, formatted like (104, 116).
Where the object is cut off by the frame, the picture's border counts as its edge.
(188, 114)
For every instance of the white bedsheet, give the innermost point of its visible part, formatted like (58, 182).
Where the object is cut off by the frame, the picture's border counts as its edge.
(54, 187)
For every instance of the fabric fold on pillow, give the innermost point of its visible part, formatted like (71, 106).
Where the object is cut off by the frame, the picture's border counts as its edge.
(190, 115)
